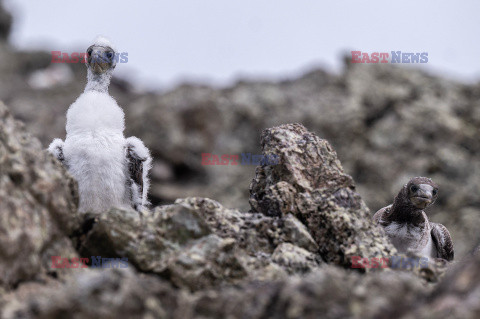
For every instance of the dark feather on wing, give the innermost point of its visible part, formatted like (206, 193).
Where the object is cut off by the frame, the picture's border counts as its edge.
(443, 241)
(135, 167)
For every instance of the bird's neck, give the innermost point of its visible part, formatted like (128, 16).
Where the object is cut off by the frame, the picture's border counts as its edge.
(98, 82)
(403, 211)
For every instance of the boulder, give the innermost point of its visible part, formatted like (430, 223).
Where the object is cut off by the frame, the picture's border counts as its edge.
(309, 182)
(38, 202)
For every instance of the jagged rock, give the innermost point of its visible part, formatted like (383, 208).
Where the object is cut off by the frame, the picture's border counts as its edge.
(255, 233)
(38, 200)
(295, 259)
(198, 259)
(148, 241)
(329, 292)
(208, 262)
(112, 293)
(375, 116)
(296, 232)
(310, 183)
(197, 243)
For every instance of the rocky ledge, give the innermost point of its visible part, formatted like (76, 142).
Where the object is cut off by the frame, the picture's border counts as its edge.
(288, 257)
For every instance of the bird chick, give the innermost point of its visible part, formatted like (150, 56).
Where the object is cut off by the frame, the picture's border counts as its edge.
(407, 226)
(111, 170)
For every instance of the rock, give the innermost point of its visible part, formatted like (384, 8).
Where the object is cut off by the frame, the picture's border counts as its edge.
(148, 241)
(198, 259)
(330, 292)
(295, 259)
(113, 293)
(375, 116)
(296, 232)
(38, 200)
(208, 262)
(197, 243)
(310, 183)
(456, 296)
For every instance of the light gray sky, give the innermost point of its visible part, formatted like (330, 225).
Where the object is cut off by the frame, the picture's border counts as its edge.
(218, 41)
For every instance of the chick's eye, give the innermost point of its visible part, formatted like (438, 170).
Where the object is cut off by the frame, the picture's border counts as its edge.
(89, 52)
(109, 55)
(434, 192)
(413, 188)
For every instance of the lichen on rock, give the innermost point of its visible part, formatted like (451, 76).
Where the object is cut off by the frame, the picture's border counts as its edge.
(196, 258)
(38, 200)
(309, 182)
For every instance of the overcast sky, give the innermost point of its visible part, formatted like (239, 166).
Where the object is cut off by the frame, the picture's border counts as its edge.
(219, 41)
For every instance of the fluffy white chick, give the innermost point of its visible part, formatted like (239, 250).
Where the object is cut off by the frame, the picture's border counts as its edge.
(111, 170)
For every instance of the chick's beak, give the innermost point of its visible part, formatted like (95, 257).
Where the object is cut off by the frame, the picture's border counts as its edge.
(423, 196)
(97, 63)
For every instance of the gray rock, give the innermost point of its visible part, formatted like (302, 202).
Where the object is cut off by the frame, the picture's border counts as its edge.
(112, 293)
(296, 232)
(37, 202)
(198, 259)
(295, 259)
(375, 116)
(206, 263)
(330, 292)
(310, 183)
(196, 243)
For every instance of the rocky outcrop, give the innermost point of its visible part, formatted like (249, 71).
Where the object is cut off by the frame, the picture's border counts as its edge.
(37, 200)
(309, 183)
(386, 123)
(195, 258)
(384, 131)
(288, 253)
(196, 243)
(329, 292)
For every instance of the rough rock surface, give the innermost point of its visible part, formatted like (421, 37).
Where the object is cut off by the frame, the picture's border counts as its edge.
(197, 243)
(36, 199)
(285, 258)
(386, 123)
(196, 258)
(329, 293)
(309, 182)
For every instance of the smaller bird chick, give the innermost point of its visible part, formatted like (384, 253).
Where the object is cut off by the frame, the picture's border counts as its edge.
(407, 225)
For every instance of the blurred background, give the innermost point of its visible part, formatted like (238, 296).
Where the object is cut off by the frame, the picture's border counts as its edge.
(208, 77)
